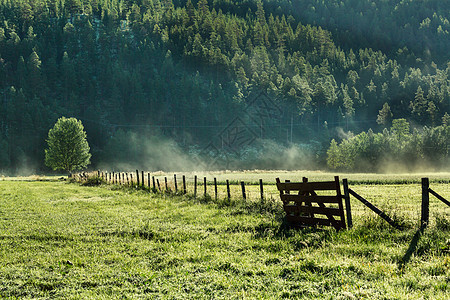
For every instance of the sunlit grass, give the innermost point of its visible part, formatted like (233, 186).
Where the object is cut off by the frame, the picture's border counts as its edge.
(61, 240)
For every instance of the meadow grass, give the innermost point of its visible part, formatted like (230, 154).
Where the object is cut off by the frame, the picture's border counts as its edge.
(63, 240)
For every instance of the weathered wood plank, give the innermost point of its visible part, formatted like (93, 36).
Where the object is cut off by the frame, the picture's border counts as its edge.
(312, 209)
(310, 198)
(307, 186)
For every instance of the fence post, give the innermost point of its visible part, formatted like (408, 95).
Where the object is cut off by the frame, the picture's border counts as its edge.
(165, 181)
(184, 184)
(175, 182)
(142, 178)
(215, 187)
(131, 179)
(228, 190)
(307, 203)
(261, 189)
(159, 187)
(244, 195)
(204, 185)
(425, 202)
(195, 186)
(148, 180)
(153, 182)
(137, 177)
(347, 204)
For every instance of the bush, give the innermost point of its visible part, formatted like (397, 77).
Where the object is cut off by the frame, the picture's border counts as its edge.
(93, 181)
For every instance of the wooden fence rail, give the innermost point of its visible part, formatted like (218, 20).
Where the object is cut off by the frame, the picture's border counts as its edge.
(439, 197)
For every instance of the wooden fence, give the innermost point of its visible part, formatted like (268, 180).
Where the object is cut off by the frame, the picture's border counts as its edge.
(146, 180)
(305, 213)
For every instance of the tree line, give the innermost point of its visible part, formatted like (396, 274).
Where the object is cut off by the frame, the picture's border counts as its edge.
(394, 149)
(184, 68)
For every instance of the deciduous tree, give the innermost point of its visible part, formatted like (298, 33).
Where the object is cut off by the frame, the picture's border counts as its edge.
(68, 148)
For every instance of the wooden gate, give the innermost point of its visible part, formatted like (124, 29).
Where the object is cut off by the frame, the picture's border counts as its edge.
(304, 207)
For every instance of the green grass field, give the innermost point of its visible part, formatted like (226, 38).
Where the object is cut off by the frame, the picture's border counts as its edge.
(63, 240)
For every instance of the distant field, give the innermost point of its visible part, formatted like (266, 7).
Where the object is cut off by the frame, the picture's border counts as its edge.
(268, 177)
(62, 240)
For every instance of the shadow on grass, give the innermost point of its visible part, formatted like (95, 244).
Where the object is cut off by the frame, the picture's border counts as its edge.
(412, 247)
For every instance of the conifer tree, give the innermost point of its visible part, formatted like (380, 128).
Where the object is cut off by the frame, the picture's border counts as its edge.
(384, 115)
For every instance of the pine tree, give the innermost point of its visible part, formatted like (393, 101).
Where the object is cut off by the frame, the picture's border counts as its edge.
(35, 81)
(73, 7)
(385, 115)
(419, 106)
(432, 112)
(260, 14)
(446, 120)
(203, 9)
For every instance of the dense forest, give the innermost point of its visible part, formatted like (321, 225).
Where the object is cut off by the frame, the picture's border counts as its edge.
(139, 73)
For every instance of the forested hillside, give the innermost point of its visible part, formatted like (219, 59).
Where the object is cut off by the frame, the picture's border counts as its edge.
(182, 70)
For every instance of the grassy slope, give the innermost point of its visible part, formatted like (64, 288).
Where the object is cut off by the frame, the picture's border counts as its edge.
(63, 240)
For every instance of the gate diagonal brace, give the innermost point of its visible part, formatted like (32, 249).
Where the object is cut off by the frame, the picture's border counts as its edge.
(439, 197)
(375, 209)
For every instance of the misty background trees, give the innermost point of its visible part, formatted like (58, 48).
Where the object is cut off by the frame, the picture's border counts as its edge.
(184, 69)
(395, 149)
